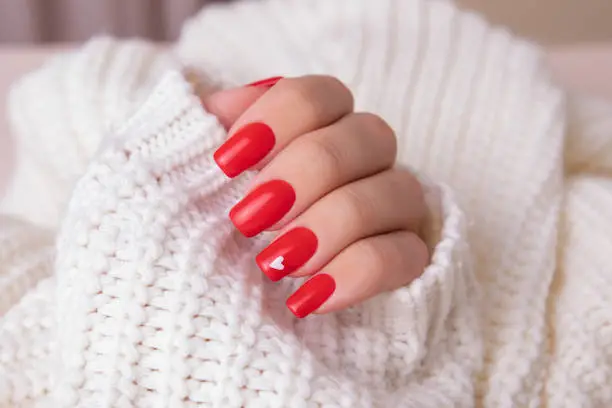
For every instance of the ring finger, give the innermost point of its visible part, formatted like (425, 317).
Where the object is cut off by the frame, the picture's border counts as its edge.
(368, 267)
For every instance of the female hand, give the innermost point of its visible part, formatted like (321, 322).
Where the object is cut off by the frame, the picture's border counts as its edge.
(346, 216)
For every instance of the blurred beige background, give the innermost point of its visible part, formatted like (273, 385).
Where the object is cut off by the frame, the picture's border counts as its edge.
(551, 22)
(33, 21)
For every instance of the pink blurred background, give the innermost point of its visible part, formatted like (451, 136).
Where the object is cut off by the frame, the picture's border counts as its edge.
(27, 21)
(551, 22)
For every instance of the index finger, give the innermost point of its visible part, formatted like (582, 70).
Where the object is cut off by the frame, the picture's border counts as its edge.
(229, 104)
(291, 108)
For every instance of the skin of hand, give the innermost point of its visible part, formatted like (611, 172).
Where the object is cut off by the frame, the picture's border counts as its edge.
(346, 216)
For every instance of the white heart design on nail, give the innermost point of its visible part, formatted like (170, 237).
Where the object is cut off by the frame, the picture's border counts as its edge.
(278, 263)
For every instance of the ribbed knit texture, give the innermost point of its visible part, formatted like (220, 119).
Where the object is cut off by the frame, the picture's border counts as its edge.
(155, 300)
(26, 258)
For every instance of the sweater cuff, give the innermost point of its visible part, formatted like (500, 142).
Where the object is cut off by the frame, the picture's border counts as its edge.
(173, 137)
(421, 314)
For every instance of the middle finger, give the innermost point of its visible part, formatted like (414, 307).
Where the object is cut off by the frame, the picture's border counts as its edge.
(357, 146)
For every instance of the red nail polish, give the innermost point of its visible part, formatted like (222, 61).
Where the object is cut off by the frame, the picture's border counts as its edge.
(266, 83)
(246, 148)
(311, 295)
(287, 253)
(263, 207)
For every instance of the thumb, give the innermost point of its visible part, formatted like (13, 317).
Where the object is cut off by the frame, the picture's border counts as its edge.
(229, 104)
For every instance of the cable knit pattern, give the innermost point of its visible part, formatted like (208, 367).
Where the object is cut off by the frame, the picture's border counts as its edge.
(155, 300)
(79, 96)
(26, 255)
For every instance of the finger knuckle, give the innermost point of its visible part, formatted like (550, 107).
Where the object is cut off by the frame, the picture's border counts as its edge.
(344, 93)
(376, 124)
(420, 257)
(314, 93)
(357, 207)
(408, 188)
(304, 95)
(407, 254)
(374, 256)
(379, 127)
(328, 157)
(402, 179)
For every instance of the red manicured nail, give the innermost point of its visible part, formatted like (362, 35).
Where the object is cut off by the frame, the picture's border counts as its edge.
(311, 295)
(266, 83)
(287, 253)
(246, 148)
(263, 207)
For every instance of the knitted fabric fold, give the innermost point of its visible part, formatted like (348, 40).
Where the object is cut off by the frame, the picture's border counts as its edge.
(27, 255)
(158, 302)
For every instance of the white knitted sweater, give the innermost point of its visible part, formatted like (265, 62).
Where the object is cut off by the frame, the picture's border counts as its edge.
(147, 296)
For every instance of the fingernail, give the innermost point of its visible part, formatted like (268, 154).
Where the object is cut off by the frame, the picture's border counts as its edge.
(263, 207)
(287, 253)
(311, 295)
(266, 83)
(246, 148)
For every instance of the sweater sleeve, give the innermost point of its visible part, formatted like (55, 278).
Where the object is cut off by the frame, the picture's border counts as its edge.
(26, 265)
(159, 300)
(473, 109)
(581, 368)
(26, 255)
